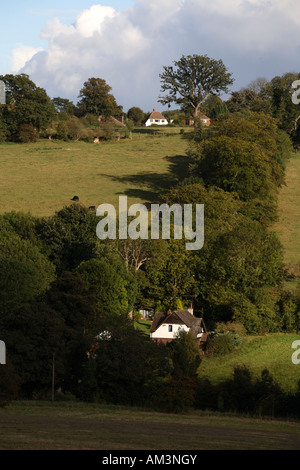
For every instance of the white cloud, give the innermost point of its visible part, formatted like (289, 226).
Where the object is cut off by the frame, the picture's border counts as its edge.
(90, 21)
(128, 48)
(21, 55)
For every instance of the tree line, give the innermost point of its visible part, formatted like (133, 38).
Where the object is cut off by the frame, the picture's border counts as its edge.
(194, 83)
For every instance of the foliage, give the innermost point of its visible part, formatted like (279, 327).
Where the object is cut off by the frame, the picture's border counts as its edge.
(136, 115)
(177, 395)
(25, 272)
(9, 384)
(113, 285)
(62, 325)
(126, 368)
(64, 107)
(241, 156)
(26, 104)
(221, 344)
(192, 80)
(27, 133)
(68, 237)
(95, 98)
(248, 99)
(185, 355)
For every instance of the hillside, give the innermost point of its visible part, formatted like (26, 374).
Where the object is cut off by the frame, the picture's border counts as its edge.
(42, 177)
(272, 352)
(288, 225)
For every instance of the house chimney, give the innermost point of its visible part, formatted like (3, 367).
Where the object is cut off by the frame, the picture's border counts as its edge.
(191, 310)
(169, 312)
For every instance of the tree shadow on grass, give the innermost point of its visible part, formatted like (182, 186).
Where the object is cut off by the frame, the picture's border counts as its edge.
(151, 186)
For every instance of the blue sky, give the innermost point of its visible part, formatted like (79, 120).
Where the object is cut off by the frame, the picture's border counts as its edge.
(62, 43)
(23, 20)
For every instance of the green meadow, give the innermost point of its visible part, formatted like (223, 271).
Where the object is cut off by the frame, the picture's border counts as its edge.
(288, 226)
(43, 177)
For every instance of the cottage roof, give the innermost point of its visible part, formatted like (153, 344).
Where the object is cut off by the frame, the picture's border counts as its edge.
(156, 115)
(203, 116)
(179, 317)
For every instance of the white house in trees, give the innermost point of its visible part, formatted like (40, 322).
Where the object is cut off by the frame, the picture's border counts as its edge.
(156, 118)
(166, 326)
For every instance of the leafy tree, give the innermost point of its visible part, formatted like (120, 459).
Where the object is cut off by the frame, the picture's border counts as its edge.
(61, 328)
(75, 128)
(23, 224)
(185, 355)
(95, 98)
(236, 166)
(279, 91)
(25, 273)
(9, 384)
(168, 275)
(241, 156)
(64, 107)
(69, 237)
(4, 132)
(193, 79)
(136, 115)
(26, 104)
(27, 133)
(32, 334)
(248, 99)
(76, 305)
(128, 368)
(112, 284)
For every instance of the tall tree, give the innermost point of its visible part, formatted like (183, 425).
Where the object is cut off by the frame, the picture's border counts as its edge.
(96, 98)
(192, 80)
(26, 104)
(136, 115)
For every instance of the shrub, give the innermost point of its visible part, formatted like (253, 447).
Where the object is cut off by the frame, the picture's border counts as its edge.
(9, 384)
(27, 133)
(221, 344)
(177, 395)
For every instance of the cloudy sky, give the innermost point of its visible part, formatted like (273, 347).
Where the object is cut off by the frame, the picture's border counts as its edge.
(62, 43)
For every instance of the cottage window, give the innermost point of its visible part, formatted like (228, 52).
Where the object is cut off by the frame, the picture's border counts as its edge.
(170, 328)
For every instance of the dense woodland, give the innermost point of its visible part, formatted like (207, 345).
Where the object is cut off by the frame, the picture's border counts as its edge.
(60, 286)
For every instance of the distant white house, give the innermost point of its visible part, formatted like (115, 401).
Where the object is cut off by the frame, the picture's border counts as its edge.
(166, 326)
(156, 118)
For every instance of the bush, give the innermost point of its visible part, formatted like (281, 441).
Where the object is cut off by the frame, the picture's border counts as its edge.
(27, 133)
(177, 395)
(221, 344)
(108, 129)
(9, 385)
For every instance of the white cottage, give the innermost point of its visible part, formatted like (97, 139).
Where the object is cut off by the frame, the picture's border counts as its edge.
(166, 326)
(156, 118)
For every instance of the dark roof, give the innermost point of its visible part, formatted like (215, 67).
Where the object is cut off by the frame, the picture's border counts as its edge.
(157, 321)
(179, 317)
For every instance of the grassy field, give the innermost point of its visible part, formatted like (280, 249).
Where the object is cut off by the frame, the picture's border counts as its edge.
(288, 226)
(74, 426)
(42, 177)
(272, 352)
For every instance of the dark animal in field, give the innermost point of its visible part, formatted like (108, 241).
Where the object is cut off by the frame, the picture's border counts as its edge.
(75, 198)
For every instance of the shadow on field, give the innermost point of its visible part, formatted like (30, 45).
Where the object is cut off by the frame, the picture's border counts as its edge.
(150, 186)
